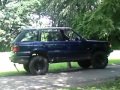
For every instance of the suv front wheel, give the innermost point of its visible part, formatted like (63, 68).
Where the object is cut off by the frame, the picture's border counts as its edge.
(38, 65)
(99, 60)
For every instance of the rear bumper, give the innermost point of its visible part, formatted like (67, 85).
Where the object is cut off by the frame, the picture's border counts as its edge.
(18, 59)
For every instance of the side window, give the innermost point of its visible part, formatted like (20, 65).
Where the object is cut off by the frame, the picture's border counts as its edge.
(30, 36)
(54, 36)
(72, 36)
(50, 36)
(44, 36)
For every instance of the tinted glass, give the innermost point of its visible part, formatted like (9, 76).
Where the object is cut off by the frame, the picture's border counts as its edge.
(27, 35)
(50, 35)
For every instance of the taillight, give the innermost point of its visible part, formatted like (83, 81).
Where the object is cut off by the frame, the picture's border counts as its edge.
(15, 48)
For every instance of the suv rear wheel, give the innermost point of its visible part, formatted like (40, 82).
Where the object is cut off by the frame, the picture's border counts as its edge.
(38, 65)
(100, 60)
(84, 64)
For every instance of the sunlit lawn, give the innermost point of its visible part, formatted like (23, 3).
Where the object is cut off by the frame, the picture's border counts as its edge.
(114, 61)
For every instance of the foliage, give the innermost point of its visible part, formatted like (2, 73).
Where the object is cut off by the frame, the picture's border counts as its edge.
(103, 22)
(62, 12)
(92, 18)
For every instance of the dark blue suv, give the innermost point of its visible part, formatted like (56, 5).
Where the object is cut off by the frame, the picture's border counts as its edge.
(37, 47)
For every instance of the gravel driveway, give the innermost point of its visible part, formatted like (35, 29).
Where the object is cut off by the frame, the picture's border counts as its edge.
(54, 81)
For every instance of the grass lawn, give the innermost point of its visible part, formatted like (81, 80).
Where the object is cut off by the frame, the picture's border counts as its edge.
(114, 61)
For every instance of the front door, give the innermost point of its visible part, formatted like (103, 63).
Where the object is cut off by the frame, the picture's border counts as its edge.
(76, 49)
(56, 48)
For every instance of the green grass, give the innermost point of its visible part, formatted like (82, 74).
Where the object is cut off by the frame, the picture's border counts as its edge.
(61, 66)
(114, 61)
(12, 73)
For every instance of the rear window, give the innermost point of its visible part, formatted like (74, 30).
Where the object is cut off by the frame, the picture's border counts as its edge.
(27, 35)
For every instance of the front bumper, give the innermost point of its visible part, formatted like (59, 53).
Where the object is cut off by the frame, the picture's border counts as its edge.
(18, 59)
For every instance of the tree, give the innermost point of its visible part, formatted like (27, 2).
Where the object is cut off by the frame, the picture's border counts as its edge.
(62, 12)
(14, 15)
(102, 22)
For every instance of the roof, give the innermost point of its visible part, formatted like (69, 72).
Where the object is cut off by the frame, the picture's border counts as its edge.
(44, 28)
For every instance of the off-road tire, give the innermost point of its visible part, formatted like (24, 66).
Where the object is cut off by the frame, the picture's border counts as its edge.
(38, 65)
(99, 60)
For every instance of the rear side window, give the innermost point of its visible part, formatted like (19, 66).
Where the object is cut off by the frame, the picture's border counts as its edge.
(27, 35)
(30, 36)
